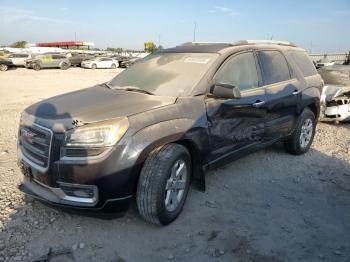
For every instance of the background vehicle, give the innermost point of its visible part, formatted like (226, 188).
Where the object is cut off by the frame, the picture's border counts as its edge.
(48, 61)
(160, 124)
(128, 62)
(100, 62)
(324, 63)
(5, 64)
(18, 59)
(76, 59)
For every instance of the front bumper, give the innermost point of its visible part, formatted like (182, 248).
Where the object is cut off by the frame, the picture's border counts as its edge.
(337, 113)
(49, 195)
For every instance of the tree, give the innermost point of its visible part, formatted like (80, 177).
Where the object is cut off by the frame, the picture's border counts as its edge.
(150, 47)
(19, 44)
(117, 50)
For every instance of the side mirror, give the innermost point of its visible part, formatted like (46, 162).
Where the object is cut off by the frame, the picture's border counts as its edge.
(222, 90)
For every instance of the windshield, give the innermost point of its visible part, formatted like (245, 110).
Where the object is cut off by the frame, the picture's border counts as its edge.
(165, 74)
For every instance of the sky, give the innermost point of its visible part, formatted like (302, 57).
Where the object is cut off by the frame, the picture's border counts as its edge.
(318, 26)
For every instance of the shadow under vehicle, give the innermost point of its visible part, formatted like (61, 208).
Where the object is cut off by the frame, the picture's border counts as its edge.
(48, 61)
(160, 124)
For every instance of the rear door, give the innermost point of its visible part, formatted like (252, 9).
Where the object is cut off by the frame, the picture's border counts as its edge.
(283, 93)
(235, 124)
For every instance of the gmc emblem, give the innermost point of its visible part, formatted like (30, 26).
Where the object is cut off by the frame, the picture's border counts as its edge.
(27, 135)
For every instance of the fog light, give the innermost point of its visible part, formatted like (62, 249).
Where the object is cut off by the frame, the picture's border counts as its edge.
(80, 191)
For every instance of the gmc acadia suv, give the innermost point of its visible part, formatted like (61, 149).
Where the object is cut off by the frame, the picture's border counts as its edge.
(160, 124)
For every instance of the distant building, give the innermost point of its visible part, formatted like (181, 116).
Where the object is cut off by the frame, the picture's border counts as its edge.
(338, 58)
(66, 44)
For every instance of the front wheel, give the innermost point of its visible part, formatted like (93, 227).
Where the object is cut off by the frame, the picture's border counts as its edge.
(163, 184)
(94, 66)
(301, 139)
(64, 66)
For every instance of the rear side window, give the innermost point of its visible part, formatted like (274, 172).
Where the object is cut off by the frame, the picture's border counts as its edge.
(304, 63)
(240, 71)
(274, 67)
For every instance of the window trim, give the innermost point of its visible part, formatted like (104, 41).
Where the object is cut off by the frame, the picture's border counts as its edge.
(260, 82)
(291, 73)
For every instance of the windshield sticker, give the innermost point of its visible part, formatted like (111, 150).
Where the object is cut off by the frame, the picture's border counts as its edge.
(197, 60)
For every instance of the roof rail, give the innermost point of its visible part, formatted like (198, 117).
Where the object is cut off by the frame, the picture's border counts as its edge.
(205, 43)
(270, 42)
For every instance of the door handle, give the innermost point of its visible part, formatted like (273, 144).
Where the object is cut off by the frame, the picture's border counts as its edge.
(258, 103)
(296, 92)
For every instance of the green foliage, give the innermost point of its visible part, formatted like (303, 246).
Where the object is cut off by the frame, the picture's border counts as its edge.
(19, 44)
(150, 47)
(116, 50)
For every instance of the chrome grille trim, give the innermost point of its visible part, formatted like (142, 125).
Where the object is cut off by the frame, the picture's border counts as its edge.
(31, 155)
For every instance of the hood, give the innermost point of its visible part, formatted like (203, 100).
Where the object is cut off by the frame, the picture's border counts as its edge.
(93, 104)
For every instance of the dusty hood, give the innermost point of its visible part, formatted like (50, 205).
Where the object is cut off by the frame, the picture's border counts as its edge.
(92, 105)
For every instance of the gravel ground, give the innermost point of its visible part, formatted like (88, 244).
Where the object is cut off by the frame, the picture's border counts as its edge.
(269, 206)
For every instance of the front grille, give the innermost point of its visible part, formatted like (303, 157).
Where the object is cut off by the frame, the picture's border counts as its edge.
(35, 144)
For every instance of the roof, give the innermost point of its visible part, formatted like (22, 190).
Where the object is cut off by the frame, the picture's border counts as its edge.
(215, 47)
(195, 47)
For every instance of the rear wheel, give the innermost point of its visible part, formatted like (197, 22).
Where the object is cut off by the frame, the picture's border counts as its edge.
(163, 184)
(113, 66)
(94, 66)
(3, 67)
(36, 67)
(301, 139)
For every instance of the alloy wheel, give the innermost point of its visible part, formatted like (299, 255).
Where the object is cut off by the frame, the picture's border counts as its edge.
(175, 186)
(306, 133)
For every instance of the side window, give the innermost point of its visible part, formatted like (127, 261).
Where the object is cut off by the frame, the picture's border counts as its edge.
(304, 63)
(273, 66)
(56, 57)
(240, 71)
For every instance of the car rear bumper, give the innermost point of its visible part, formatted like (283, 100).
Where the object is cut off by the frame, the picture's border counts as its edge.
(115, 207)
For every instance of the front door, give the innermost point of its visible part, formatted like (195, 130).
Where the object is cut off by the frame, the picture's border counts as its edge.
(235, 124)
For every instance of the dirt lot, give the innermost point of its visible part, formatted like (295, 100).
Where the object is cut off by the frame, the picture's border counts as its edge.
(269, 206)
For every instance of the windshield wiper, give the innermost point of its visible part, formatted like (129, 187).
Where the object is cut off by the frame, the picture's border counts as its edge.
(134, 89)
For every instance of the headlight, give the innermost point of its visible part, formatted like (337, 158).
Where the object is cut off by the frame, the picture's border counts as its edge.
(101, 134)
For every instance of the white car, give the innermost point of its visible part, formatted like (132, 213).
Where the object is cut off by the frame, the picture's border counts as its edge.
(18, 59)
(101, 62)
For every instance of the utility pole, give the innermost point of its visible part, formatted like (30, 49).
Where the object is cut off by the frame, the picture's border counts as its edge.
(75, 36)
(159, 40)
(194, 32)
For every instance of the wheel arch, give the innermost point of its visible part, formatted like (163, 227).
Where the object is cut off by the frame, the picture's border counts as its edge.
(191, 139)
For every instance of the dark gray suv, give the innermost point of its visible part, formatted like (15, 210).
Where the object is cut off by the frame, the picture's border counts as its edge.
(160, 124)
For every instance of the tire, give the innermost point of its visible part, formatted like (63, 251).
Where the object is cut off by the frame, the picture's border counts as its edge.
(301, 139)
(36, 67)
(113, 66)
(157, 190)
(64, 66)
(4, 67)
(94, 66)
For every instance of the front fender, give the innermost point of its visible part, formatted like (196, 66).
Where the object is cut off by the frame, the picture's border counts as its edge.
(184, 131)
